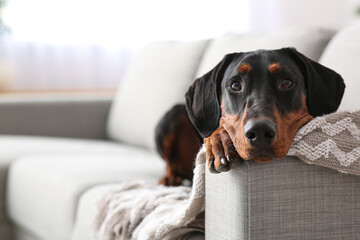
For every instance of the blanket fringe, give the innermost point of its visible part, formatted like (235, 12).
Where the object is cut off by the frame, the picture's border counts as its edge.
(137, 210)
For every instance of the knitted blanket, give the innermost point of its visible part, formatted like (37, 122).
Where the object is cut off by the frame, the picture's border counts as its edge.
(136, 210)
(331, 141)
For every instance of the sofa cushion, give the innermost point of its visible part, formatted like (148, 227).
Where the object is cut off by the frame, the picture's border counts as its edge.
(13, 147)
(87, 210)
(43, 190)
(343, 55)
(158, 79)
(310, 41)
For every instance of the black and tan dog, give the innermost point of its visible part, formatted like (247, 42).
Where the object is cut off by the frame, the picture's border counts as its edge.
(177, 141)
(250, 105)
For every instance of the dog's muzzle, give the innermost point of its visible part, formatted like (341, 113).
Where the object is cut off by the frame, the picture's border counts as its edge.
(260, 133)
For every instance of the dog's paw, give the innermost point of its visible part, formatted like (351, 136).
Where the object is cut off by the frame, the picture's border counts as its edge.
(220, 151)
(171, 181)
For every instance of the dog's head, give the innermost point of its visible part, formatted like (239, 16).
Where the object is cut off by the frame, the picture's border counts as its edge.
(262, 98)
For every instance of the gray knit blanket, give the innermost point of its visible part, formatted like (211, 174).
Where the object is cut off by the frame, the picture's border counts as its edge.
(331, 141)
(136, 210)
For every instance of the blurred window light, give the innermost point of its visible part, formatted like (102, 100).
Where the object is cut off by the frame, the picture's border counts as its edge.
(88, 44)
(123, 22)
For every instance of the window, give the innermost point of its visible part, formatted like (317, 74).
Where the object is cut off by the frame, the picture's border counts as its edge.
(86, 44)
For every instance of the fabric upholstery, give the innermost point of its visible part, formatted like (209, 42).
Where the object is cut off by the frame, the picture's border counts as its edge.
(282, 199)
(3, 177)
(43, 190)
(309, 41)
(13, 147)
(86, 212)
(157, 80)
(343, 55)
(5, 231)
(18, 233)
(63, 116)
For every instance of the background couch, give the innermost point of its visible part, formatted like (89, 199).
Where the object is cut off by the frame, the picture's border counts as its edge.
(57, 156)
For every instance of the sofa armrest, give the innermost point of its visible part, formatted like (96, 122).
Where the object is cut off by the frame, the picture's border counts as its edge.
(78, 117)
(283, 199)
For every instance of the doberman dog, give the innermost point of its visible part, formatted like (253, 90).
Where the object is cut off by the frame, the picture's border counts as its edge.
(251, 104)
(177, 141)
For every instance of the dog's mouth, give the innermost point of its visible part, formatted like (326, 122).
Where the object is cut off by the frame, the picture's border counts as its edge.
(278, 147)
(262, 159)
(261, 155)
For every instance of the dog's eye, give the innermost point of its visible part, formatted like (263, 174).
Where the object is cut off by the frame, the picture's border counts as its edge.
(236, 86)
(286, 84)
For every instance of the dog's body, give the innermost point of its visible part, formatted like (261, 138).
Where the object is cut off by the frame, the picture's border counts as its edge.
(251, 104)
(177, 141)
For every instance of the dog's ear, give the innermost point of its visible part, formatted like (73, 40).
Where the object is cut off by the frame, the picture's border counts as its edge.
(325, 88)
(203, 98)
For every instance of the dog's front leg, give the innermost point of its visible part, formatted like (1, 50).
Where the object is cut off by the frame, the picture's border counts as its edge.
(220, 151)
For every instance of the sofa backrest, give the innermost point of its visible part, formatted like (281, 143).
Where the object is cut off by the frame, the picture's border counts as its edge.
(343, 55)
(309, 41)
(162, 73)
(158, 79)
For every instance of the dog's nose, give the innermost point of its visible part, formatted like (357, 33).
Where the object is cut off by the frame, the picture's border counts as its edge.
(260, 133)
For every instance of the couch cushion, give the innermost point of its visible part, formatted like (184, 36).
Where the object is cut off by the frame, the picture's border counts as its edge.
(343, 55)
(310, 41)
(86, 212)
(43, 190)
(13, 147)
(158, 78)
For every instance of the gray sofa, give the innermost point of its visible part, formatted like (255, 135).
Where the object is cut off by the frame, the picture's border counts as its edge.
(59, 155)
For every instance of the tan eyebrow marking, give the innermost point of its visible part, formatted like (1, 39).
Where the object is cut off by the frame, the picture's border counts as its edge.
(275, 68)
(244, 68)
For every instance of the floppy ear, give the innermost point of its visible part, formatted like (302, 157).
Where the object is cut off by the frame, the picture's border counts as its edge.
(203, 98)
(325, 88)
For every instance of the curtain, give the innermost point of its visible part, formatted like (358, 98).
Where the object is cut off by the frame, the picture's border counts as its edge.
(87, 44)
(40, 66)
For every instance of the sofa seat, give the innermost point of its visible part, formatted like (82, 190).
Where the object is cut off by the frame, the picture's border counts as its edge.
(13, 147)
(86, 211)
(52, 184)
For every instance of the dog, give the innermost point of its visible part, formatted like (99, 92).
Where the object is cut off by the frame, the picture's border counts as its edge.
(177, 142)
(251, 104)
